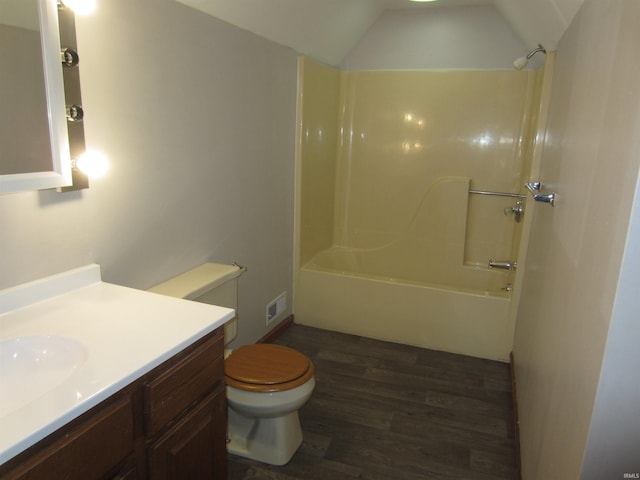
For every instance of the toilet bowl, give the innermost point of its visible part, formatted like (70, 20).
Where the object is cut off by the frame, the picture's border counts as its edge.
(266, 384)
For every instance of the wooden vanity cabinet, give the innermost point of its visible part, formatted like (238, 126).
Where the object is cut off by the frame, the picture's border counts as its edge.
(189, 437)
(190, 449)
(169, 424)
(88, 449)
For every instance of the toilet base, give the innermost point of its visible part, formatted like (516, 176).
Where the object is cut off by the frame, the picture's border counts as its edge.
(271, 440)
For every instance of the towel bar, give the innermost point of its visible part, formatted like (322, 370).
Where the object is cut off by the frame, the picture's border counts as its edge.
(496, 194)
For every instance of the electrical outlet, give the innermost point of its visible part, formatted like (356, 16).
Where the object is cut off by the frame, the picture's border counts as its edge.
(276, 307)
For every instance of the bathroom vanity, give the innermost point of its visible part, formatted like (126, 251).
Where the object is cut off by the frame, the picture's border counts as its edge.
(133, 387)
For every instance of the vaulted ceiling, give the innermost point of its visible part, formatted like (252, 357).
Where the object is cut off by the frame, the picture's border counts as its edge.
(328, 29)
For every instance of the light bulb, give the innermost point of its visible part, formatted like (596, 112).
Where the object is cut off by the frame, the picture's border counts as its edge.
(80, 7)
(92, 163)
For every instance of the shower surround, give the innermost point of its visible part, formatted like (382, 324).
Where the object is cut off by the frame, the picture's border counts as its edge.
(391, 244)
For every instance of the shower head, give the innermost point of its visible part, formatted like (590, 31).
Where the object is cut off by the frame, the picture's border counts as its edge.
(522, 62)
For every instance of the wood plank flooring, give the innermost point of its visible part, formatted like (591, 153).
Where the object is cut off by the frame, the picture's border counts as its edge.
(382, 411)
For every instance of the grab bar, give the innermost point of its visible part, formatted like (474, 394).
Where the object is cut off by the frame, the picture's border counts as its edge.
(496, 194)
(535, 187)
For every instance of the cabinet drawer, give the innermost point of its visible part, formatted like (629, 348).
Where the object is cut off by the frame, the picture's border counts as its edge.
(88, 451)
(182, 384)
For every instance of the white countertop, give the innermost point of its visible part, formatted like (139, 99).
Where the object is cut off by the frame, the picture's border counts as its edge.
(126, 333)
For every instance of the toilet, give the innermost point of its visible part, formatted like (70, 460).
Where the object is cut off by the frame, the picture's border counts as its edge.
(266, 383)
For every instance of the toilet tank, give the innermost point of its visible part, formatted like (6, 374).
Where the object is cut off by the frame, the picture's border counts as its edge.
(212, 283)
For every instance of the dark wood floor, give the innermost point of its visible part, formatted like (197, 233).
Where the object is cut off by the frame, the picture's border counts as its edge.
(382, 411)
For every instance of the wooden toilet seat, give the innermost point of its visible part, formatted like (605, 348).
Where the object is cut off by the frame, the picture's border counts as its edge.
(264, 367)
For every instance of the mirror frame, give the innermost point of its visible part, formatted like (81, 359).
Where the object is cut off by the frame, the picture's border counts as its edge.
(60, 175)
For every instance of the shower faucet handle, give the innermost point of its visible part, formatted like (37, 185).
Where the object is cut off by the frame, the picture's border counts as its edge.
(535, 190)
(503, 264)
(517, 210)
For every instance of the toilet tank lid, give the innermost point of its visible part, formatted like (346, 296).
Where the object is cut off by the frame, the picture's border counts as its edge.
(196, 282)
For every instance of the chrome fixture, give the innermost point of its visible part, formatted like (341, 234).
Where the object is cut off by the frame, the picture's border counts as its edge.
(517, 210)
(242, 269)
(73, 96)
(521, 62)
(86, 163)
(496, 194)
(75, 113)
(69, 57)
(503, 264)
(535, 189)
(507, 288)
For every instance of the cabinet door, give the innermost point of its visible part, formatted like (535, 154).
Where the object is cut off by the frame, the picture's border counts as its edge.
(195, 447)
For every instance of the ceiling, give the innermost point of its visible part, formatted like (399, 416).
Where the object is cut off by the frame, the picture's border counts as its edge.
(328, 29)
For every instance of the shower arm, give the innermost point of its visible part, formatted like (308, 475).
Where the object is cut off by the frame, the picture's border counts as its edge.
(521, 62)
(536, 50)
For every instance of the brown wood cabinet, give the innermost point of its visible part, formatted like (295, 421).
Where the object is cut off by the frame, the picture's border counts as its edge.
(169, 424)
(189, 449)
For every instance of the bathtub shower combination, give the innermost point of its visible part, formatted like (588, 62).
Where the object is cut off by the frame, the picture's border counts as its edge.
(409, 185)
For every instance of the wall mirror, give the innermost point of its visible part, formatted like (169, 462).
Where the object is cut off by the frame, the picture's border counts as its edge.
(34, 142)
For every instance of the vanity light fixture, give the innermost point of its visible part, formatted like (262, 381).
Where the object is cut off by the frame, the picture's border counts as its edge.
(79, 7)
(72, 96)
(85, 164)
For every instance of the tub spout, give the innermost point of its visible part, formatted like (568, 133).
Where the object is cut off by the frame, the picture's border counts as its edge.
(503, 264)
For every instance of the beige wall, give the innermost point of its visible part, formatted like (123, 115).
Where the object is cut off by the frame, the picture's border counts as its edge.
(198, 120)
(591, 159)
(318, 111)
(402, 133)
(614, 434)
(407, 130)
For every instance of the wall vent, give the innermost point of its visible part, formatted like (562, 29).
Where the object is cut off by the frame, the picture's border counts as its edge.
(276, 307)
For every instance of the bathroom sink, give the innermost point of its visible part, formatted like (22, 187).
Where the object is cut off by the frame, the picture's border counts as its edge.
(31, 366)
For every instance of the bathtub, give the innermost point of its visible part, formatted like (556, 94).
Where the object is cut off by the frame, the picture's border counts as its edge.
(393, 237)
(347, 290)
(416, 288)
